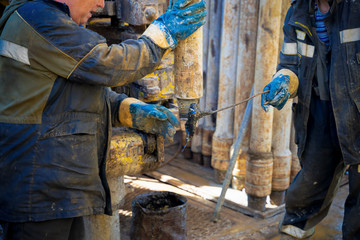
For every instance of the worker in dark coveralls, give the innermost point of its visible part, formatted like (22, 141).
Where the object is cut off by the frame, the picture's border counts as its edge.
(57, 109)
(320, 63)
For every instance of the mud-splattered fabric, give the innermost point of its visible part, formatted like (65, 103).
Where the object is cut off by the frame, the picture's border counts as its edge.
(56, 111)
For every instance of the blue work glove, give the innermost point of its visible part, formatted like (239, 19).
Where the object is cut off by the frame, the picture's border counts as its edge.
(181, 20)
(278, 92)
(150, 118)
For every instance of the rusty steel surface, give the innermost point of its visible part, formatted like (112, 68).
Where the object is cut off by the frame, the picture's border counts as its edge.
(281, 132)
(223, 136)
(227, 80)
(104, 227)
(221, 153)
(266, 61)
(142, 12)
(212, 72)
(281, 173)
(259, 176)
(130, 154)
(157, 86)
(261, 161)
(246, 57)
(206, 147)
(206, 29)
(188, 71)
(245, 79)
(239, 172)
(281, 147)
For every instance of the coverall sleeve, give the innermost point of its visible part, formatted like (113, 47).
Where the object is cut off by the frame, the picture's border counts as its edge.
(289, 58)
(78, 54)
(118, 64)
(115, 101)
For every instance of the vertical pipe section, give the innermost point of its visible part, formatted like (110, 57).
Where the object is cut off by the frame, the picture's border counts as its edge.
(188, 71)
(259, 168)
(104, 227)
(212, 77)
(281, 138)
(196, 142)
(244, 80)
(206, 30)
(223, 136)
(282, 154)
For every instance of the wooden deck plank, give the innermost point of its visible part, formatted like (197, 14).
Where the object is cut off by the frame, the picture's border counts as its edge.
(197, 180)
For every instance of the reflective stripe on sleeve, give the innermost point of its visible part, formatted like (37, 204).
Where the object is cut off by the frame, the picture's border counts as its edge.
(306, 49)
(14, 51)
(289, 48)
(350, 35)
(300, 35)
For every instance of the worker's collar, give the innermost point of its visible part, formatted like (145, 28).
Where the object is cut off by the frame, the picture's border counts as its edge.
(332, 4)
(61, 6)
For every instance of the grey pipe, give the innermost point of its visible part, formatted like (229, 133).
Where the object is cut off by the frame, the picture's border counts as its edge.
(234, 157)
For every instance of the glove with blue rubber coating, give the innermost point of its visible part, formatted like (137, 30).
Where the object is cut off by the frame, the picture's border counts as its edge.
(150, 118)
(180, 20)
(283, 86)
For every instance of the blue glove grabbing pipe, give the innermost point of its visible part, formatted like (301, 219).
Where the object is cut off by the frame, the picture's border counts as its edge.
(151, 118)
(278, 93)
(181, 20)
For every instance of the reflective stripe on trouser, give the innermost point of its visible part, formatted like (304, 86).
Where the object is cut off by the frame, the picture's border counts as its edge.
(310, 194)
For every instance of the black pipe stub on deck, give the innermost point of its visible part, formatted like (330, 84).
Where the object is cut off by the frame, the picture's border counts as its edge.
(159, 216)
(257, 203)
(277, 197)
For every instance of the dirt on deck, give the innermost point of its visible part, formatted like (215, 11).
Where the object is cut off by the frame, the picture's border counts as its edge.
(232, 224)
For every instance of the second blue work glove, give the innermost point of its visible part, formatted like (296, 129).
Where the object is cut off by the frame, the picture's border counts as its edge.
(278, 92)
(151, 118)
(284, 85)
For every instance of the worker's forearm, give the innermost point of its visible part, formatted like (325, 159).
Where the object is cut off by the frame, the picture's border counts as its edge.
(118, 64)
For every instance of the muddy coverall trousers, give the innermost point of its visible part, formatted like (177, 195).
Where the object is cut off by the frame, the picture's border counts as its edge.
(58, 229)
(310, 194)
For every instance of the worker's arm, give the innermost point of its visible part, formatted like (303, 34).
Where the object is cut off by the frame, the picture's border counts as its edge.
(115, 100)
(132, 60)
(285, 82)
(150, 118)
(59, 46)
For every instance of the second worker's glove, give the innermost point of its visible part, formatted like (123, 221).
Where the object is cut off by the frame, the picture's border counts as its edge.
(150, 118)
(180, 20)
(283, 85)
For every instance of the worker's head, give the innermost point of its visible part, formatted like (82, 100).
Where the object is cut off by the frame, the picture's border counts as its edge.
(81, 10)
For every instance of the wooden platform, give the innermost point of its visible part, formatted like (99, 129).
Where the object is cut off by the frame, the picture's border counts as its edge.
(199, 180)
(231, 224)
